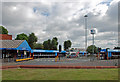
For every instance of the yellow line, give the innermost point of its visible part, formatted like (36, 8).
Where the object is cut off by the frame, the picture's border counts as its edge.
(24, 59)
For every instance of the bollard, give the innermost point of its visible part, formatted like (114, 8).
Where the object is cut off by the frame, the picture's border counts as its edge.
(56, 59)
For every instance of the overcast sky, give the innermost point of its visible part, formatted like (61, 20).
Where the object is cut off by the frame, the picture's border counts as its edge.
(64, 19)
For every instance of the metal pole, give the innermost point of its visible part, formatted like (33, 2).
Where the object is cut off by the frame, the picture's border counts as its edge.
(85, 32)
(93, 32)
(93, 44)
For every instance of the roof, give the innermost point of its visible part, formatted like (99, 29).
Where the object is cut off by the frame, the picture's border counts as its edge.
(82, 52)
(103, 50)
(46, 51)
(10, 43)
(113, 50)
(110, 50)
(15, 45)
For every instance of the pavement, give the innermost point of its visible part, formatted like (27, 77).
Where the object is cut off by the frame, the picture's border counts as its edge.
(82, 61)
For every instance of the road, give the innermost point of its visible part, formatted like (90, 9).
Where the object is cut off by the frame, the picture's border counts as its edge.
(82, 61)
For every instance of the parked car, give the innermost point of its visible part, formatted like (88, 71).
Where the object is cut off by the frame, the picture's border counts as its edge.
(72, 55)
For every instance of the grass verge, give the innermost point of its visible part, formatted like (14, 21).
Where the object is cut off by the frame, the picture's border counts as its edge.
(60, 74)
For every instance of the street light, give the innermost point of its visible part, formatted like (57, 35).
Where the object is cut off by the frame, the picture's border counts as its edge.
(85, 32)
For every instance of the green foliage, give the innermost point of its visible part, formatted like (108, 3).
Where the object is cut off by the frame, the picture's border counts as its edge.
(55, 38)
(54, 43)
(50, 44)
(32, 39)
(67, 44)
(90, 49)
(38, 46)
(3, 30)
(116, 47)
(45, 44)
(22, 37)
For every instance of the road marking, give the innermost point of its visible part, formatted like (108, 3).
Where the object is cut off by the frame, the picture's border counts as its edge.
(70, 59)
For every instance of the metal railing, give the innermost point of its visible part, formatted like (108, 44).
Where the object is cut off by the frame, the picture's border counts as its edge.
(8, 60)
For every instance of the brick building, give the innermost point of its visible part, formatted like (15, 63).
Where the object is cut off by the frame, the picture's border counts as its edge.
(5, 37)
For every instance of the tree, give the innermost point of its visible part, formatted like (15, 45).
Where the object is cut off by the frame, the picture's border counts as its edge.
(50, 44)
(54, 43)
(55, 38)
(90, 49)
(67, 44)
(45, 45)
(32, 39)
(22, 37)
(38, 46)
(116, 47)
(3, 30)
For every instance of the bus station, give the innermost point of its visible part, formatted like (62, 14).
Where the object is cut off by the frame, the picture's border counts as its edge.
(19, 50)
(109, 54)
(59, 40)
(13, 50)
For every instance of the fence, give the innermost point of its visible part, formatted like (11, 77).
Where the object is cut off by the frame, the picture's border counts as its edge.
(8, 60)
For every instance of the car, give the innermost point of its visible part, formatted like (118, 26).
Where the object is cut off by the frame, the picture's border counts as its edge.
(72, 55)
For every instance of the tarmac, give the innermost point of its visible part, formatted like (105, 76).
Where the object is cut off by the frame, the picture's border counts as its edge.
(63, 63)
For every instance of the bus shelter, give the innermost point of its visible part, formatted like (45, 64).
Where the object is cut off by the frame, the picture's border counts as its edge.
(109, 54)
(113, 53)
(12, 50)
(37, 53)
(82, 53)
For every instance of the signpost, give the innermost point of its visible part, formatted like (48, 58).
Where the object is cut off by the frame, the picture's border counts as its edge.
(93, 32)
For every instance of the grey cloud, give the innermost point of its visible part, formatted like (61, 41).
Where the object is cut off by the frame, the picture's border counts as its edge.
(57, 23)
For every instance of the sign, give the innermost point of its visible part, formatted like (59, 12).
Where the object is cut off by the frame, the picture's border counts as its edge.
(92, 31)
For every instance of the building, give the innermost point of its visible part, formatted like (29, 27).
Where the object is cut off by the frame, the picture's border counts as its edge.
(83, 53)
(19, 50)
(14, 49)
(37, 53)
(109, 54)
(5, 37)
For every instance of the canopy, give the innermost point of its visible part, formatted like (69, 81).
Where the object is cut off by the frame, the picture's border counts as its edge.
(46, 51)
(14, 45)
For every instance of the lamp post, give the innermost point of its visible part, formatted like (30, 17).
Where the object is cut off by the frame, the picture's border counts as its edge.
(85, 32)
